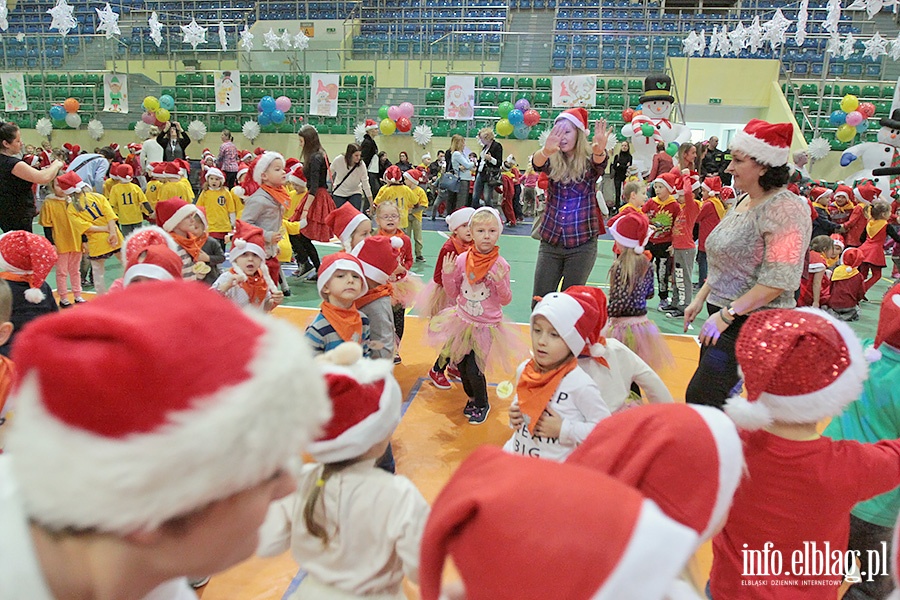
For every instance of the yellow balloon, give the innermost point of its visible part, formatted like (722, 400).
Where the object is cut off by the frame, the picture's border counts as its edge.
(849, 103)
(845, 132)
(162, 114)
(387, 127)
(151, 103)
(504, 127)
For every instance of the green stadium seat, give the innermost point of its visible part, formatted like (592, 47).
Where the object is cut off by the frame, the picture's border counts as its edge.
(882, 109)
(209, 79)
(195, 78)
(439, 130)
(507, 82)
(93, 79)
(635, 85)
(370, 80)
(434, 97)
(232, 123)
(887, 91)
(63, 78)
(489, 82)
(542, 99)
(460, 129)
(634, 99)
(850, 89)
(289, 80)
(36, 78)
(535, 132)
(181, 79)
(52, 78)
(871, 91)
(167, 92)
(438, 81)
(78, 78)
(487, 97)
(601, 84)
(362, 93)
(245, 79)
(504, 97)
(286, 127)
(615, 84)
(617, 100)
(809, 89)
(183, 93)
(256, 79)
(271, 80)
(525, 83)
(543, 83)
(351, 80)
(216, 124)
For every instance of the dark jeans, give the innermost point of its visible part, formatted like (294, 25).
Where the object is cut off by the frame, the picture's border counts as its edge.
(517, 203)
(230, 178)
(618, 183)
(482, 192)
(865, 536)
(16, 223)
(473, 380)
(305, 250)
(717, 373)
(355, 200)
(662, 266)
(554, 263)
(399, 320)
(127, 229)
(458, 199)
(374, 183)
(701, 267)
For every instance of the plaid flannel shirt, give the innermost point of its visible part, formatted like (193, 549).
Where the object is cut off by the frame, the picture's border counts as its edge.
(571, 215)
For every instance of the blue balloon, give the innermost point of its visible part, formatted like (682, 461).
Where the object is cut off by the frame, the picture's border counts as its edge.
(277, 117)
(521, 131)
(862, 127)
(838, 117)
(267, 104)
(57, 112)
(515, 117)
(639, 107)
(167, 102)
(263, 119)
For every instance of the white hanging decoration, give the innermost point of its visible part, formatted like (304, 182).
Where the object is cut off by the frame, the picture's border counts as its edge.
(872, 7)
(723, 43)
(95, 129)
(44, 126)
(833, 47)
(894, 48)
(247, 39)
(802, 17)
(848, 46)
(542, 139)
(20, 37)
(109, 21)
(818, 148)
(272, 40)
(611, 142)
(776, 29)
(876, 46)
(4, 15)
(286, 40)
(714, 41)
(196, 130)
(738, 38)
(301, 41)
(832, 16)
(155, 29)
(63, 19)
(755, 35)
(142, 130)
(193, 34)
(250, 129)
(690, 44)
(422, 135)
(223, 38)
(359, 132)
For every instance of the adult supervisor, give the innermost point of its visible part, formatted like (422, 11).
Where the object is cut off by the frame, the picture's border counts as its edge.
(93, 168)
(17, 179)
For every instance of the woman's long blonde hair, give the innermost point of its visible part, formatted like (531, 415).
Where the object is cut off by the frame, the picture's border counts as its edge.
(628, 270)
(457, 144)
(566, 169)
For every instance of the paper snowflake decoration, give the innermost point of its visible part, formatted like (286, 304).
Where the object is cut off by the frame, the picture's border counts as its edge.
(894, 48)
(272, 40)
(109, 21)
(44, 126)
(872, 7)
(301, 41)
(738, 38)
(223, 39)
(802, 17)
(95, 129)
(63, 19)
(755, 35)
(723, 43)
(818, 148)
(193, 34)
(155, 29)
(833, 47)
(142, 130)
(422, 135)
(876, 46)
(714, 41)
(691, 44)
(286, 40)
(4, 15)
(20, 37)
(542, 139)
(848, 46)
(250, 129)
(775, 30)
(196, 130)
(247, 39)
(359, 132)
(832, 16)
(611, 142)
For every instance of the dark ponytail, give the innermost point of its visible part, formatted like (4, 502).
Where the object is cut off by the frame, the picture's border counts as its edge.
(8, 132)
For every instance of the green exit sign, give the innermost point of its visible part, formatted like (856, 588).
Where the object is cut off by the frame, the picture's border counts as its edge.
(715, 101)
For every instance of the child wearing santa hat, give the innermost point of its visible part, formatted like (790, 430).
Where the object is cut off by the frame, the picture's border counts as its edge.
(155, 180)
(815, 286)
(396, 192)
(349, 225)
(404, 287)
(341, 283)
(635, 197)
(248, 282)
(800, 366)
(306, 254)
(872, 249)
(711, 212)
(127, 199)
(415, 179)
(662, 210)
(266, 204)
(80, 478)
(557, 404)
(91, 215)
(533, 529)
(684, 250)
(238, 190)
(187, 225)
(59, 229)
(217, 202)
(25, 262)
(175, 185)
(145, 259)
(379, 257)
(353, 528)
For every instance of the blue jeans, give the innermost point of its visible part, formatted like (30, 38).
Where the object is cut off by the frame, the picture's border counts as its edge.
(482, 192)
(355, 200)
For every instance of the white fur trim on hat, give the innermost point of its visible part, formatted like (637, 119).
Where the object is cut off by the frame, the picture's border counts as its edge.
(636, 245)
(491, 211)
(240, 247)
(146, 270)
(348, 231)
(182, 213)
(671, 188)
(563, 312)
(214, 172)
(459, 217)
(265, 159)
(341, 264)
(759, 150)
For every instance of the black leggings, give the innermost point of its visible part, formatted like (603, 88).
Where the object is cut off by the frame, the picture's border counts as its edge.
(399, 320)
(473, 380)
(717, 373)
(305, 250)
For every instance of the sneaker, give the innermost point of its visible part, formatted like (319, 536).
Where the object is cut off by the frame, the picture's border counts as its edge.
(420, 259)
(64, 303)
(286, 292)
(663, 306)
(439, 380)
(302, 271)
(453, 372)
(80, 300)
(674, 313)
(198, 583)
(470, 407)
(397, 359)
(479, 414)
(311, 275)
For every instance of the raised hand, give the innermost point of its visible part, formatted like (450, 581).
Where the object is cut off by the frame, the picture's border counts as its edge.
(601, 136)
(449, 264)
(551, 145)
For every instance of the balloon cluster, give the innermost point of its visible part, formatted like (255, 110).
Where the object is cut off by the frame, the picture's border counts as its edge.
(516, 119)
(158, 110)
(396, 118)
(66, 114)
(646, 129)
(271, 110)
(851, 118)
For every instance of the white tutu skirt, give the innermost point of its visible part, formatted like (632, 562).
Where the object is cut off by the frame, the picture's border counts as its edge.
(642, 336)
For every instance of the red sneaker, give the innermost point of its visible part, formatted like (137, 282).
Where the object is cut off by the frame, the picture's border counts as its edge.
(439, 380)
(453, 372)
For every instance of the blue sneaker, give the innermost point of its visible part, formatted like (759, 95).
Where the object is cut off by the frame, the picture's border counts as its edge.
(470, 407)
(479, 414)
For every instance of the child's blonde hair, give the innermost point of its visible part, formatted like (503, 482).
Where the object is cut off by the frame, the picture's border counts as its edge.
(206, 183)
(880, 210)
(628, 270)
(388, 203)
(566, 169)
(315, 528)
(483, 217)
(632, 187)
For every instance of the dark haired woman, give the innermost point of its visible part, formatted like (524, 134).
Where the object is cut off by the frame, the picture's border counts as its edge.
(319, 202)
(350, 178)
(17, 179)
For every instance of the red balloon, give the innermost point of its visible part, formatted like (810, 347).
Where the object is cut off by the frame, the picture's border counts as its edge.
(532, 117)
(867, 109)
(628, 114)
(404, 124)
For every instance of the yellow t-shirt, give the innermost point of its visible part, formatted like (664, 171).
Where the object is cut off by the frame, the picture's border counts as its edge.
(400, 195)
(55, 215)
(296, 199)
(96, 212)
(126, 199)
(154, 188)
(107, 185)
(219, 204)
(177, 189)
(285, 250)
(188, 190)
(421, 201)
(238, 202)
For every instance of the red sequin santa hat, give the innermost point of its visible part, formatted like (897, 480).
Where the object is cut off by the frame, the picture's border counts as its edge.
(650, 450)
(248, 157)
(169, 213)
(30, 255)
(488, 520)
(141, 239)
(727, 193)
(459, 217)
(126, 173)
(712, 185)
(577, 116)
(670, 180)
(595, 339)
(154, 262)
(631, 231)
(393, 174)
(379, 256)
(868, 192)
(250, 239)
(194, 432)
(343, 221)
(366, 401)
(889, 319)
(843, 190)
(573, 316)
(371, 124)
(296, 175)
(767, 143)
(799, 366)
(340, 261)
(214, 172)
(69, 183)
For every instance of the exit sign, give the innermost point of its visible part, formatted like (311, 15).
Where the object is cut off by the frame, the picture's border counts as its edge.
(715, 101)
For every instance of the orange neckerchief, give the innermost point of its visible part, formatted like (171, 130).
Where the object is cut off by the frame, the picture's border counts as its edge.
(535, 389)
(873, 227)
(15, 277)
(459, 245)
(255, 286)
(717, 204)
(7, 376)
(841, 273)
(278, 193)
(385, 289)
(478, 265)
(347, 322)
(193, 245)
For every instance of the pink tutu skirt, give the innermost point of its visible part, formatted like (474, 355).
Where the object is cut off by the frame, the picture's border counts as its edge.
(496, 345)
(406, 290)
(432, 300)
(642, 336)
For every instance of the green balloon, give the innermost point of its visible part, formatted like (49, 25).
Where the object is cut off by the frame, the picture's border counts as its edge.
(383, 112)
(503, 109)
(672, 149)
(647, 130)
(59, 124)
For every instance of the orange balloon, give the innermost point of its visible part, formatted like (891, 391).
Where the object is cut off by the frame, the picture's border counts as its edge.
(71, 105)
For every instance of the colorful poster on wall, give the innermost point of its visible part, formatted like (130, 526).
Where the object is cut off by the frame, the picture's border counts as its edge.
(459, 97)
(14, 92)
(115, 93)
(574, 90)
(228, 91)
(323, 97)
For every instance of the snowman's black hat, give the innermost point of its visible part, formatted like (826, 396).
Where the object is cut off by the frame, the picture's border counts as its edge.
(893, 122)
(657, 87)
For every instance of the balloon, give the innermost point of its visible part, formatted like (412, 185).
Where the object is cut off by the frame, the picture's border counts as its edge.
(57, 112)
(151, 103)
(637, 112)
(394, 113)
(263, 119)
(404, 124)
(628, 115)
(387, 126)
(149, 118)
(277, 117)
(59, 123)
(845, 133)
(838, 117)
(73, 120)
(639, 107)
(862, 127)
(504, 127)
(854, 118)
(532, 117)
(162, 114)
(523, 104)
(521, 132)
(516, 117)
(867, 109)
(71, 105)
(407, 110)
(849, 103)
(647, 130)
(283, 103)
(503, 109)
(267, 104)
(383, 112)
(672, 149)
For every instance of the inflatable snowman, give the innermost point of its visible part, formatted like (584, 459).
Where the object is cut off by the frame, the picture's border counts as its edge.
(656, 106)
(875, 155)
(642, 136)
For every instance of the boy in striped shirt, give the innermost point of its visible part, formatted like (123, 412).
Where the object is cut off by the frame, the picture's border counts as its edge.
(341, 282)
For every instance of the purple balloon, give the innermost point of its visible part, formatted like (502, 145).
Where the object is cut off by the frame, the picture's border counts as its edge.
(394, 113)
(523, 104)
(283, 103)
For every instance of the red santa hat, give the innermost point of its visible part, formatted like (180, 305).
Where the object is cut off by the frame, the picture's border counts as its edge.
(577, 116)
(843, 190)
(158, 170)
(820, 194)
(852, 257)
(343, 221)
(413, 175)
(799, 366)
(134, 147)
(125, 173)
(69, 182)
(596, 340)
(838, 240)
(371, 124)
(481, 514)
(727, 193)
(393, 174)
(28, 254)
(631, 230)
(379, 256)
(258, 151)
(214, 172)
(794, 189)
(573, 316)
(713, 185)
(114, 172)
(141, 239)
(490, 211)
(250, 239)
(340, 261)
(889, 319)
(868, 192)
(290, 162)
(172, 171)
(248, 157)
(169, 213)
(154, 262)
(84, 459)
(672, 181)
(766, 143)
(650, 450)
(183, 166)
(366, 401)
(206, 152)
(459, 217)
(242, 170)
(296, 175)
(262, 162)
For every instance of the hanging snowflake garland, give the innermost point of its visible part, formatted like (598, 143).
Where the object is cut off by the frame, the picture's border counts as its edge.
(802, 17)
(876, 47)
(223, 37)
(775, 29)
(62, 17)
(714, 41)
(272, 40)
(95, 129)
(44, 126)
(4, 15)
(301, 41)
(894, 48)
(755, 36)
(193, 34)
(251, 130)
(738, 38)
(832, 16)
(848, 46)
(818, 148)
(690, 44)
(422, 135)
(286, 41)
(109, 21)
(155, 29)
